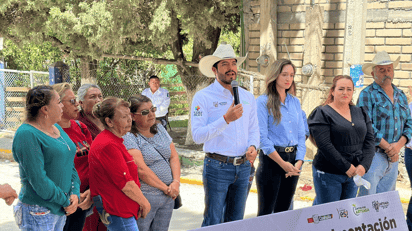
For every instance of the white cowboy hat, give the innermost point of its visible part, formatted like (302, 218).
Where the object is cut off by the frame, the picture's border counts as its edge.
(381, 58)
(223, 51)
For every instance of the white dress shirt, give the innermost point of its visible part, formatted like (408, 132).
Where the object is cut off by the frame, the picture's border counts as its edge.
(209, 127)
(160, 99)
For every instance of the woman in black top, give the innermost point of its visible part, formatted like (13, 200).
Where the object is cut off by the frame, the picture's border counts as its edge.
(344, 137)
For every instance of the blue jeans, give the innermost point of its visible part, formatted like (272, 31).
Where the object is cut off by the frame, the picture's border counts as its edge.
(382, 175)
(37, 218)
(160, 213)
(225, 188)
(332, 187)
(408, 164)
(122, 224)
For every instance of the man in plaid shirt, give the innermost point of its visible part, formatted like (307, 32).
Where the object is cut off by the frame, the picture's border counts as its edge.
(388, 109)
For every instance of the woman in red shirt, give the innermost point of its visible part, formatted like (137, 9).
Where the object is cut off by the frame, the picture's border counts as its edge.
(82, 138)
(113, 172)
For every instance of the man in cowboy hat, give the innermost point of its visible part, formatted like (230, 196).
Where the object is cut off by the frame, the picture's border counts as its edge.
(230, 135)
(387, 107)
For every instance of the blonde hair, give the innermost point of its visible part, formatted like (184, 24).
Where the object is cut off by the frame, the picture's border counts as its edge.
(272, 74)
(61, 88)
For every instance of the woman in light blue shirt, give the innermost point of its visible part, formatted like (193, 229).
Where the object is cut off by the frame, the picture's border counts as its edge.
(282, 140)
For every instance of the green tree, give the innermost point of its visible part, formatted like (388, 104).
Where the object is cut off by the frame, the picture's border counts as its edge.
(30, 57)
(89, 30)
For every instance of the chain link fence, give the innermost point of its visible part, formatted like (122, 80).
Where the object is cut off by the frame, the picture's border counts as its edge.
(14, 87)
(113, 82)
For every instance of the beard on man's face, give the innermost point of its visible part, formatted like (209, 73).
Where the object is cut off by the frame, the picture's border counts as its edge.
(227, 77)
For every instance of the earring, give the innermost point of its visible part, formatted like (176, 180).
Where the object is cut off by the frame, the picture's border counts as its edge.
(46, 116)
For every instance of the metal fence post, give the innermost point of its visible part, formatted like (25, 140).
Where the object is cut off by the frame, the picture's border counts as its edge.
(251, 84)
(2, 94)
(31, 80)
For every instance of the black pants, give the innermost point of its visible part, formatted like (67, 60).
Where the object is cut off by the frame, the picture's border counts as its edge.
(75, 221)
(275, 191)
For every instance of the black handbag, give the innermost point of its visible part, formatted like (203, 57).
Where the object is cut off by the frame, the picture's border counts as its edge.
(178, 199)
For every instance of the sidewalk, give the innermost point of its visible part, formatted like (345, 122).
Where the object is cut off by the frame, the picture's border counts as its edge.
(189, 216)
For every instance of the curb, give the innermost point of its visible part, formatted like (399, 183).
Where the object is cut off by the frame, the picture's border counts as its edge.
(184, 180)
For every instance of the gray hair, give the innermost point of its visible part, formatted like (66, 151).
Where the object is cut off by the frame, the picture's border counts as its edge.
(82, 91)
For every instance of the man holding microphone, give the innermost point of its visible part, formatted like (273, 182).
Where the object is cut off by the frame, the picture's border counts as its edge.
(230, 134)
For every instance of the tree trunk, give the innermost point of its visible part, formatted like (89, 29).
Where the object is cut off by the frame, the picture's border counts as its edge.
(191, 77)
(88, 70)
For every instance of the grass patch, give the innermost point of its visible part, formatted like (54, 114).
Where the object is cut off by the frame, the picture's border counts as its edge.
(178, 123)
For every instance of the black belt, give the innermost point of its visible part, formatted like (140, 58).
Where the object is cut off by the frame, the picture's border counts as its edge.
(226, 159)
(380, 150)
(286, 149)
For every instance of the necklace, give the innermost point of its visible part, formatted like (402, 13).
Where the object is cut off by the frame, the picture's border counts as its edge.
(64, 142)
(55, 134)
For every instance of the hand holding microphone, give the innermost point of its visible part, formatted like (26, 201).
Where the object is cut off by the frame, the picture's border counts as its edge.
(235, 110)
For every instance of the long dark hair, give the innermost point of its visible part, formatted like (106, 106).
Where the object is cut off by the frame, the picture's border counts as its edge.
(135, 102)
(330, 98)
(273, 103)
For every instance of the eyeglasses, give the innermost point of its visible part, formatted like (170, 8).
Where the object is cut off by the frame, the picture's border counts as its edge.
(146, 112)
(72, 101)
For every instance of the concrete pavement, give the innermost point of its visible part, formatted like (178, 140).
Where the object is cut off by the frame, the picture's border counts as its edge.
(189, 216)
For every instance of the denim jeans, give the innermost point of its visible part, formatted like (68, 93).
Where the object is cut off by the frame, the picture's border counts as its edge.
(37, 218)
(332, 187)
(408, 164)
(225, 188)
(382, 175)
(122, 224)
(158, 219)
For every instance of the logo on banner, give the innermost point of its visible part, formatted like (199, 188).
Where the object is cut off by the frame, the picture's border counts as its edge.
(376, 205)
(197, 111)
(343, 213)
(215, 104)
(358, 210)
(316, 218)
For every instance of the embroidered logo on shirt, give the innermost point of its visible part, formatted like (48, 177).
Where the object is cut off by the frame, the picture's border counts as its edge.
(197, 111)
(223, 103)
(245, 102)
(215, 104)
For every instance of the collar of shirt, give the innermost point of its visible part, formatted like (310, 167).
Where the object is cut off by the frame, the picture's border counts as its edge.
(396, 91)
(287, 100)
(221, 89)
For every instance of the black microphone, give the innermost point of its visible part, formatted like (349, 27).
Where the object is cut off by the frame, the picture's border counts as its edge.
(235, 87)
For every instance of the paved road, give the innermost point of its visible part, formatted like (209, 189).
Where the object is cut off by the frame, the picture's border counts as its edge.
(188, 217)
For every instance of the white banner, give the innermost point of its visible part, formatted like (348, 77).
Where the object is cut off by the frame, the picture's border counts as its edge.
(377, 212)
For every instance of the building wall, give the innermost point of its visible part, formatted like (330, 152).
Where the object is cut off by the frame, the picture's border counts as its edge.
(388, 27)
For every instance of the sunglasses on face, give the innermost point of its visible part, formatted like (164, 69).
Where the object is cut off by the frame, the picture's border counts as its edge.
(72, 101)
(146, 112)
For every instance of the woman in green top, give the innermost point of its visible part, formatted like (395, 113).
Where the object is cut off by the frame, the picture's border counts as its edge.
(50, 184)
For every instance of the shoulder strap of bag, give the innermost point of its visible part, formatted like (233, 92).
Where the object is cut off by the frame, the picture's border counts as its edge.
(78, 123)
(155, 149)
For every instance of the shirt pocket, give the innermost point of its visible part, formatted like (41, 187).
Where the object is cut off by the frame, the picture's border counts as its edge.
(404, 111)
(382, 110)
